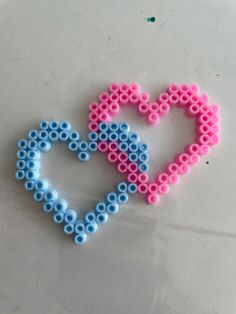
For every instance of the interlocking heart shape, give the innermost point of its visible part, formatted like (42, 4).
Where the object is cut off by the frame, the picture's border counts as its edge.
(122, 147)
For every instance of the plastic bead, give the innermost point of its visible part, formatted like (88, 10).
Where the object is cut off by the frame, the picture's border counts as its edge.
(31, 175)
(20, 174)
(44, 125)
(80, 238)
(65, 126)
(50, 195)
(112, 208)
(74, 136)
(41, 185)
(122, 187)
(29, 185)
(101, 207)
(53, 136)
(90, 217)
(93, 136)
(83, 156)
(32, 154)
(38, 196)
(132, 188)
(58, 218)
(101, 218)
(44, 146)
(91, 228)
(21, 154)
(112, 197)
(73, 146)
(124, 127)
(93, 147)
(122, 198)
(20, 164)
(54, 125)
(60, 206)
(33, 134)
(79, 228)
(70, 216)
(69, 228)
(22, 144)
(48, 207)
(43, 135)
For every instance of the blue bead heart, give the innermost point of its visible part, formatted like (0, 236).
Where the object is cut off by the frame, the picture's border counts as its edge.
(41, 140)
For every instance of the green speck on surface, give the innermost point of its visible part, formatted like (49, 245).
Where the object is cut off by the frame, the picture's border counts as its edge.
(151, 19)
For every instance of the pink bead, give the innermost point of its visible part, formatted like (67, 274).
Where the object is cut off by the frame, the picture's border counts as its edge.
(134, 98)
(93, 126)
(153, 199)
(104, 96)
(183, 158)
(114, 96)
(122, 167)
(173, 168)
(184, 88)
(174, 99)
(123, 157)
(214, 119)
(143, 108)
(164, 97)
(204, 118)
(194, 99)
(93, 117)
(134, 88)
(144, 97)
(113, 146)
(194, 109)
(132, 177)
(205, 108)
(93, 106)
(153, 118)
(154, 107)
(204, 149)
(162, 178)
(124, 98)
(103, 147)
(112, 157)
(163, 188)
(132, 167)
(143, 188)
(114, 87)
(204, 128)
(114, 108)
(215, 139)
(194, 88)
(124, 87)
(173, 178)
(104, 106)
(215, 109)
(184, 169)
(193, 148)
(164, 109)
(204, 98)
(104, 116)
(153, 187)
(215, 128)
(184, 99)
(194, 159)
(204, 139)
(173, 89)
(143, 177)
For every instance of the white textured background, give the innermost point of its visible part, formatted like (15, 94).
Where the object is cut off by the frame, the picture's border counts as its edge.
(174, 258)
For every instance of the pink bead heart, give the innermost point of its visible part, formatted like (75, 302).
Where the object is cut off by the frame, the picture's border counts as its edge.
(182, 96)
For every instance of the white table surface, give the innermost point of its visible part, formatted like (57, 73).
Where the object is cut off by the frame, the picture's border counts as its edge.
(176, 257)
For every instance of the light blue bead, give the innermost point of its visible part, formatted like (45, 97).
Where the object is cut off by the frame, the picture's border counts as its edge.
(80, 238)
(133, 157)
(43, 135)
(79, 227)
(122, 187)
(112, 208)
(54, 125)
(69, 228)
(22, 144)
(60, 206)
(21, 154)
(38, 196)
(41, 185)
(65, 126)
(134, 137)
(91, 228)
(133, 147)
(44, 125)
(64, 135)
(53, 135)
(101, 207)
(123, 198)
(73, 146)
(143, 147)
(124, 127)
(33, 134)
(58, 218)
(32, 144)
(93, 136)
(103, 126)
(29, 185)
(123, 146)
(71, 216)
(48, 207)
(50, 195)
(31, 175)
(74, 136)
(83, 146)
(20, 164)
(113, 127)
(113, 136)
(93, 147)
(143, 157)
(143, 167)
(101, 218)
(123, 137)
(83, 156)
(32, 164)
(103, 136)
(33, 154)
(44, 146)
(112, 197)
(20, 174)
(132, 188)
(90, 217)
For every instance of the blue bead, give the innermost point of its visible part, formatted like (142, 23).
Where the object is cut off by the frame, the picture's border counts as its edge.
(79, 227)
(31, 175)
(54, 125)
(33, 134)
(91, 228)
(93, 147)
(112, 208)
(44, 146)
(134, 137)
(20, 164)
(21, 154)
(53, 136)
(80, 238)
(58, 218)
(122, 187)
(32, 164)
(101, 218)
(48, 207)
(103, 136)
(143, 157)
(29, 185)
(71, 216)
(103, 126)
(83, 146)
(143, 147)
(143, 167)
(44, 125)
(41, 185)
(38, 196)
(90, 217)
(43, 135)
(33, 154)
(60, 206)
(113, 136)
(124, 127)
(73, 146)
(101, 207)
(32, 144)
(64, 135)
(20, 174)
(123, 137)
(69, 228)
(83, 156)
(50, 195)
(132, 188)
(74, 136)
(112, 197)
(93, 136)
(123, 146)
(65, 126)
(133, 157)
(123, 198)
(113, 127)
(22, 144)
(133, 147)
